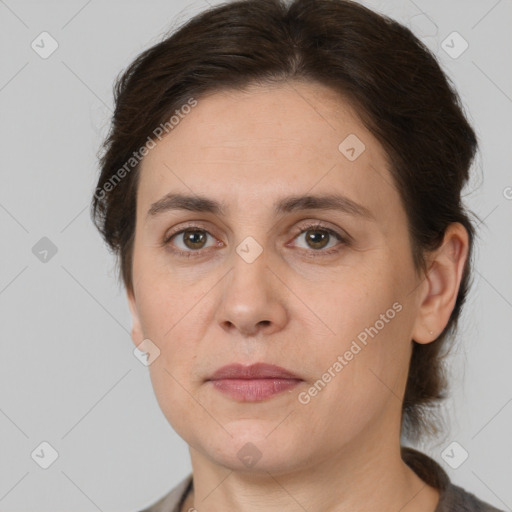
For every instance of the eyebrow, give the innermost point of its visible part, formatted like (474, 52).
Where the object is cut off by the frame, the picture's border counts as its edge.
(289, 204)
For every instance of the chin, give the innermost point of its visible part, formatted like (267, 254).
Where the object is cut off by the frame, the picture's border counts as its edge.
(255, 447)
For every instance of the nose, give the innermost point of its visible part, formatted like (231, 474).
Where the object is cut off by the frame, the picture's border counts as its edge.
(252, 300)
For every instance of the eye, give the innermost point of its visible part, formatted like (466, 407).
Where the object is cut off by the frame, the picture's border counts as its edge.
(189, 240)
(319, 238)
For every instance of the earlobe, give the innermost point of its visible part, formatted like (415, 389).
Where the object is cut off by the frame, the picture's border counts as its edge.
(136, 331)
(442, 284)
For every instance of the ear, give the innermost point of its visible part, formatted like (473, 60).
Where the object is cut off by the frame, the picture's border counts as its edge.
(136, 333)
(441, 285)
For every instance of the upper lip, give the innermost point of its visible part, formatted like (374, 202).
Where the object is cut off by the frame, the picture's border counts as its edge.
(253, 371)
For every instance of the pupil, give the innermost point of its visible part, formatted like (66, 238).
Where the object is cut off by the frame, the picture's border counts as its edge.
(318, 238)
(194, 237)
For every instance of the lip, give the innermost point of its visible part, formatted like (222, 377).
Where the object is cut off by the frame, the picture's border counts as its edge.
(253, 383)
(253, 371)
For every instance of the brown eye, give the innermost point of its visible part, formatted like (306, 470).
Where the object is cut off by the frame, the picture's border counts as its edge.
(189, 240)
(194, 239)
(316, 238)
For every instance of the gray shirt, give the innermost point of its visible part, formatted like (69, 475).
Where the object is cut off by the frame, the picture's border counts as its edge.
(451, 497)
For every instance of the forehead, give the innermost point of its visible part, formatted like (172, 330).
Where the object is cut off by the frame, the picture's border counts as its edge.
(266, 141)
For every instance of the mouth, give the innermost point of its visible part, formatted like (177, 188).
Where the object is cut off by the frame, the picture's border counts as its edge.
(253, 383)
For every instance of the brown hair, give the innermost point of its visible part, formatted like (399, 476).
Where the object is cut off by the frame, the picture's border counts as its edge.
(391, 78)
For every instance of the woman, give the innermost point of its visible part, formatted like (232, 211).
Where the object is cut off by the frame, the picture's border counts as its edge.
(282, 184)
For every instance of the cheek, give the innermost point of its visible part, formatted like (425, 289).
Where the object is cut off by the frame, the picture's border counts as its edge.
(350, 302)
(164, 302)
(368, 345)
(175, 317)
(167, 315)
(360, 375)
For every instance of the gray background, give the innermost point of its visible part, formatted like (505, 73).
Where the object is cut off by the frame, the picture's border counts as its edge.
(68, 375)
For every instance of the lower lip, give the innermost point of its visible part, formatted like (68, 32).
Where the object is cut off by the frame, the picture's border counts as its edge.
(253, 390)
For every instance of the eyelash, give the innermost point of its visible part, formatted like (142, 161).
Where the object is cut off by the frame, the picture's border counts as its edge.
(303, 229)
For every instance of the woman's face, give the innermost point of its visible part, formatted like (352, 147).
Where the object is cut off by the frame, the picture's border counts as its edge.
(326, 291)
